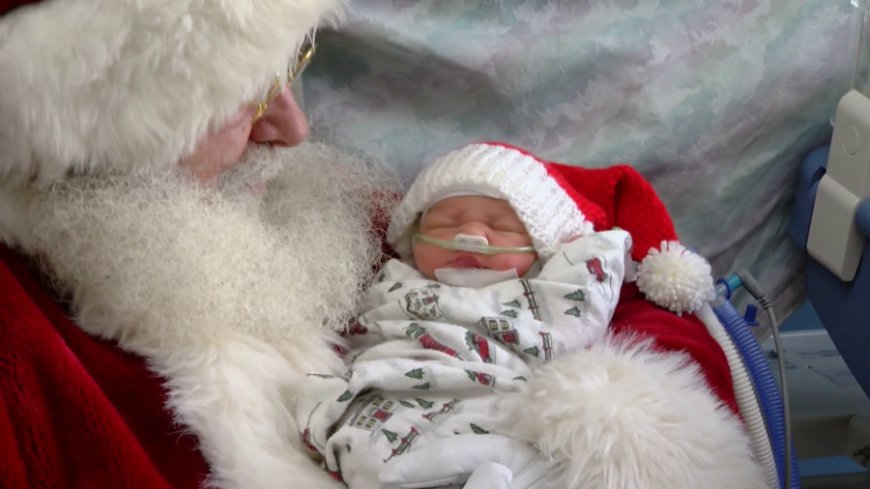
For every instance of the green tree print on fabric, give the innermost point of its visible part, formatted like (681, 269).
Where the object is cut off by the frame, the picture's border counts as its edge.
(424, 387)
(345, 396)
(416, 373)
(509, 313)
(579, 295)
(514, 303)
(391, 435)
(574, 311)
(424, 403)
(478, 430)
(397, 285)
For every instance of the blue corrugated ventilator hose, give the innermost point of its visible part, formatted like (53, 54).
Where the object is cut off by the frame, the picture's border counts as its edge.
(773, 402)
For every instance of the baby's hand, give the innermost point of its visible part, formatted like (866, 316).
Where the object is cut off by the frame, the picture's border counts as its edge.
(477, 461)
(490, 475)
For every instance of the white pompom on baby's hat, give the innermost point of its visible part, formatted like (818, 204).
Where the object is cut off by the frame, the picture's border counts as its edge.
(675, 278)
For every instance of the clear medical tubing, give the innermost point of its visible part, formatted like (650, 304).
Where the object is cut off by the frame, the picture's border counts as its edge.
(472, 244)
(766, 388)
(744, 392)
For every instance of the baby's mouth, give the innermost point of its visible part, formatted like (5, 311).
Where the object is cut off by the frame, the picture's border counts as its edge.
(464, 261)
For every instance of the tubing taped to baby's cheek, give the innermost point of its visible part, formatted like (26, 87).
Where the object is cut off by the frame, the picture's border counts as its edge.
(472, 244)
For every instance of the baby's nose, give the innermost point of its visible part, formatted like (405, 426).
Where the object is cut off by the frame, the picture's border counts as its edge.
(474, 228)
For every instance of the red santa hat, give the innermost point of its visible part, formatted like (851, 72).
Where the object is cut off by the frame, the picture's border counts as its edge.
(559, 203)
(115, 84)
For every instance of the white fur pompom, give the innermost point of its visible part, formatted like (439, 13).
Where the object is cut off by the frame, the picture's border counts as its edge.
(675, 278)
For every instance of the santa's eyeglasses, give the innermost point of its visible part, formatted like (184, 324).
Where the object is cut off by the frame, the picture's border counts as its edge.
(294, 69)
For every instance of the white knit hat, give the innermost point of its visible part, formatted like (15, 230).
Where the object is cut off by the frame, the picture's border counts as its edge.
(494, 170)
(119, 83)
(558, 203)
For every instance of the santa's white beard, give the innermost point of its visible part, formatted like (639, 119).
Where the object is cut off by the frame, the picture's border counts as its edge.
(232, 291)
(156, 255)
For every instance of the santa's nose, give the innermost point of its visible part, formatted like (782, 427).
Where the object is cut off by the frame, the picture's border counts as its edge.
(283, 123)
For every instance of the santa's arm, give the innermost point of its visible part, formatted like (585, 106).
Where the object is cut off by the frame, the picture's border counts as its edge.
(77, 411)
(651, 406)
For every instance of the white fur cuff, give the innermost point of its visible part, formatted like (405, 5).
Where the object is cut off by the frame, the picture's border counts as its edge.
(623, 416)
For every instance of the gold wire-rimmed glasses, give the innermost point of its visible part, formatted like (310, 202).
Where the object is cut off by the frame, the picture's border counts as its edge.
(294, 69)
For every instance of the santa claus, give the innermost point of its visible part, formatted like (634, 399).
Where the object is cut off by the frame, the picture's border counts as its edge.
(155, 220)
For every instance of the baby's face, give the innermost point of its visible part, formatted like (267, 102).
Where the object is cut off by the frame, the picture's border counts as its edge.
(474, 215)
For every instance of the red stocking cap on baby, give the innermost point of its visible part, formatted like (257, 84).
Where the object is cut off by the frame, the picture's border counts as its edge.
(668, 273)
(558, 203)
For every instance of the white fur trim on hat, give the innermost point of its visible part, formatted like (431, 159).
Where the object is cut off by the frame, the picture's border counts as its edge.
(549, 214)
(115, 84)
